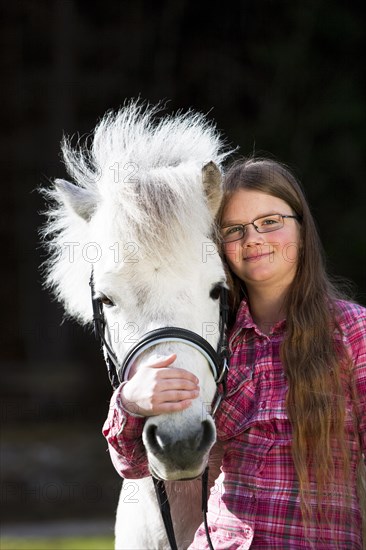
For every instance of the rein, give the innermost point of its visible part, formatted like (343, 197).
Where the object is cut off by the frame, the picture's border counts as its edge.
(218, 361)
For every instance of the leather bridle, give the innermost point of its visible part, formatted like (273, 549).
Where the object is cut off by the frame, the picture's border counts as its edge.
(218, 361)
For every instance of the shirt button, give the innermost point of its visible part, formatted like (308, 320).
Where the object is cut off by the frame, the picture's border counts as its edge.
(263, 405)
(266, 375)
(247, 532)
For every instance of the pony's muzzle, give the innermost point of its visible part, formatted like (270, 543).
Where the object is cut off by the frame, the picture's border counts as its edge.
(184, 454)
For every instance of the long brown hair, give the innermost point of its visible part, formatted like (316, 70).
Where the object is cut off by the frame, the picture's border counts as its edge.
(315, 363)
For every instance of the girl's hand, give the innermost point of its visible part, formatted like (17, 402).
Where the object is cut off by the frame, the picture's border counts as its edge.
(156, 388)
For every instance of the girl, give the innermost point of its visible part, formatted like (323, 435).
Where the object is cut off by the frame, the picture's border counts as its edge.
(293, 423)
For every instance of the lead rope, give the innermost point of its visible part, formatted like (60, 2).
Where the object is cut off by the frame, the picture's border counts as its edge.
(163, 501)
(204, 506)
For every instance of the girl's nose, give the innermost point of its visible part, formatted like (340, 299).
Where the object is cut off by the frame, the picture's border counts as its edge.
(251, 236)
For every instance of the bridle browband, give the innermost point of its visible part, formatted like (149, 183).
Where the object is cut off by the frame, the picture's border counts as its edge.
(218, 361)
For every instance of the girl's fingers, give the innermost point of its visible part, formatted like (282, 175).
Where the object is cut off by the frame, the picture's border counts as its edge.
(155, 387)
(171, 384)
(167, 373)
(176, 396)
(162, 361)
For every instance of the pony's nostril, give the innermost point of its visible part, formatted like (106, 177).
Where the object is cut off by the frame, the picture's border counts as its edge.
(151, 438)
(207, 436)
(156, 441)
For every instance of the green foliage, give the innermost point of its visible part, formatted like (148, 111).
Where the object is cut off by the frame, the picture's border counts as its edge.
(72, 543)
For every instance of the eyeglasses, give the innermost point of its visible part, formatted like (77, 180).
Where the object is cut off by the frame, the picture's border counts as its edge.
(266, 224)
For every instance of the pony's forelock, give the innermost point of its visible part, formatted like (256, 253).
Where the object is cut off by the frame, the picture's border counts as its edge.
(145, 172)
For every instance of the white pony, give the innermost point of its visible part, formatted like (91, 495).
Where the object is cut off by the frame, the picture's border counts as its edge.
(141, 211)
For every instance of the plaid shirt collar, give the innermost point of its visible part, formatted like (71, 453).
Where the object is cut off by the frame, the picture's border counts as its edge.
(244, 322)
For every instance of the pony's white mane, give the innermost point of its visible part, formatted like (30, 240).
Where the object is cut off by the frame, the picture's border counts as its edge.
(141, 182)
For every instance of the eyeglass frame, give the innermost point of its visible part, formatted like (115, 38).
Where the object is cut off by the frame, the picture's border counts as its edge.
(244, 225)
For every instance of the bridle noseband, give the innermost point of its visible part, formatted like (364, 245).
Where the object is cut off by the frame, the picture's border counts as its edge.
(218, 361)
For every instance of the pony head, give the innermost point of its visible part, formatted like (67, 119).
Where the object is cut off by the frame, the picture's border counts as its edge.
(140, 212)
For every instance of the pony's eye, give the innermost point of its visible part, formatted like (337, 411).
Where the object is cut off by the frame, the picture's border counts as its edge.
(216, 291)
(106, 301)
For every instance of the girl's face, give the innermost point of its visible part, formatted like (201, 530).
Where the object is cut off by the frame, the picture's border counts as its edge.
(262, 260)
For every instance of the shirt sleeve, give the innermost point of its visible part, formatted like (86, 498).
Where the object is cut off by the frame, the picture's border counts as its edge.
(357, 342)
(123, 431)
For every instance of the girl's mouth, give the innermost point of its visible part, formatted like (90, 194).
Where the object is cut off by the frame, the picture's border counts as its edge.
(257, 257)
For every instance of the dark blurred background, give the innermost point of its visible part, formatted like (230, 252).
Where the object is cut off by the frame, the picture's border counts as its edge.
(280, 77)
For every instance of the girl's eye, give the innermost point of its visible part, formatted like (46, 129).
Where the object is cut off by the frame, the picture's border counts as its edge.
(270, 221)
(106, 301)
(231, 230)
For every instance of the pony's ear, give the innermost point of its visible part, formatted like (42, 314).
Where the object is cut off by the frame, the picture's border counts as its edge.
(82, 201)
(211, 177)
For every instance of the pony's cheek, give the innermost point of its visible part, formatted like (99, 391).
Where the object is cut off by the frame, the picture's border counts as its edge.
(207, 395)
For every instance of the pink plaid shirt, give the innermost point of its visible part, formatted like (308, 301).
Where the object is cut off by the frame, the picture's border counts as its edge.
(255, 501)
